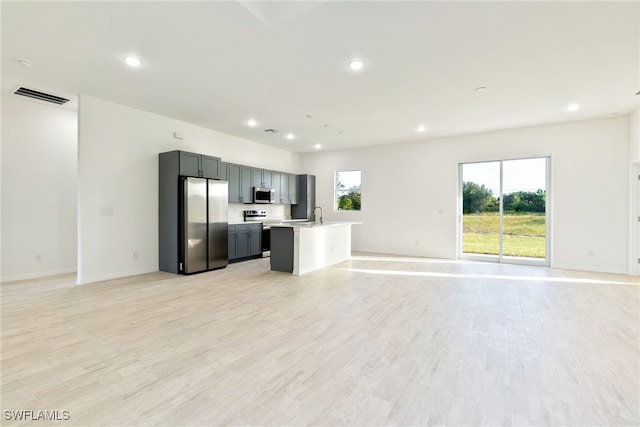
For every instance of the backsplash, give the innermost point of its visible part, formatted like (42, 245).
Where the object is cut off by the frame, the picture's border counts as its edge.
(273, 211)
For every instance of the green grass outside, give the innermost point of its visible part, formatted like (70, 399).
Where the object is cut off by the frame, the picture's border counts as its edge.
(524, 234)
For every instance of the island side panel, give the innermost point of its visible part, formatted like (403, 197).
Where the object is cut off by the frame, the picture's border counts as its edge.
(282, 249)
(319, 247)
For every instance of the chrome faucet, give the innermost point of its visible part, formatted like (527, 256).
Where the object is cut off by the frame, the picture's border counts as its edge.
(314, 212)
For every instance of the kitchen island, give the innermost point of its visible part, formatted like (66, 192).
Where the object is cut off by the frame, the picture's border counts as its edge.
(303, 247)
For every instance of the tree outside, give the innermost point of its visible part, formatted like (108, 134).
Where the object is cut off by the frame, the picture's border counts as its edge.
(347, 191)
(524, 224)
(478, 198)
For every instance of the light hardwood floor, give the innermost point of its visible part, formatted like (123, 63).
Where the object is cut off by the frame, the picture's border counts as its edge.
(372, 341)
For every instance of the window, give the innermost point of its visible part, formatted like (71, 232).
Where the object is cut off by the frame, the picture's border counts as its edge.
(504, 211)
(347, 191)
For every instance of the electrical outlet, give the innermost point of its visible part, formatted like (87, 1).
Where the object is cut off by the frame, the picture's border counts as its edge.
(135, 255)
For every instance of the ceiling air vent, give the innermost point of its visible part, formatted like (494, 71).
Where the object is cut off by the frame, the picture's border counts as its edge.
(41, 96)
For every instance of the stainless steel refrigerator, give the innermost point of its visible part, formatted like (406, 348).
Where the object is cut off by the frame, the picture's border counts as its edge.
(203, 224)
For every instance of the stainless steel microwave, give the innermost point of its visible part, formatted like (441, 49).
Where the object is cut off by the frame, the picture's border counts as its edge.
(263, 195)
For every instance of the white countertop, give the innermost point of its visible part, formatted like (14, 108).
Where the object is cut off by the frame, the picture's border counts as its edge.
(266, 221)
(306, 224)
(239, 222)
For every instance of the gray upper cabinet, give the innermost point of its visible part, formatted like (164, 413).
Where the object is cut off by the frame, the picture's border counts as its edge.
(246, 189)
(284, 184)
(234, 178)
(189, 164)
(267, 178)
(304, 208)
(210, 167)
(262, 178)
(199, 165)
(284, 188)
(240, 183)
(223, 171)
(293, 189)
(277, 194)
(256, 177)
(241, 178)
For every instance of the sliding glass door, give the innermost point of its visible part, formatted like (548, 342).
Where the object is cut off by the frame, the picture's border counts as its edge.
(503, 211)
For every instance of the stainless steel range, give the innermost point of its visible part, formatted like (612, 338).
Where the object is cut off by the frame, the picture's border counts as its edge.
(256, 215)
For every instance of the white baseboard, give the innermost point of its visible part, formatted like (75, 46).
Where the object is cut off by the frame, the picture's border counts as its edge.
(38, 275)
(118, 275)
(591, 268)
(401, 252)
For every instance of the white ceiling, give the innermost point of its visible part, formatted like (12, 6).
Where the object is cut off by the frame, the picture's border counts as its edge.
(217, 64)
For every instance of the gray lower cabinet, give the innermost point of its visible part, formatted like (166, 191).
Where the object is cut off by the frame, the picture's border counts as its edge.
(282, 249)
(245, 241)
(233, 234)
(242, 242)
(255, 241)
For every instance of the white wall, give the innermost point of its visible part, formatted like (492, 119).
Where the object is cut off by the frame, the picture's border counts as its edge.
(410, 190)
(118, 171)
(634, 192)
(39, 146)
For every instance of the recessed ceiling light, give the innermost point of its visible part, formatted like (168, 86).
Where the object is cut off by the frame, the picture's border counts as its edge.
(481, 89)
(251, 122)
(356, 64)
(132, 61)
(573, 107)
(24, 62)
(421, 128)
(317, 146)
(290, 136)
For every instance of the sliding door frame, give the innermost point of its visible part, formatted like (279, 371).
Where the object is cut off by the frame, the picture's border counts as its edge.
(500, 258)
